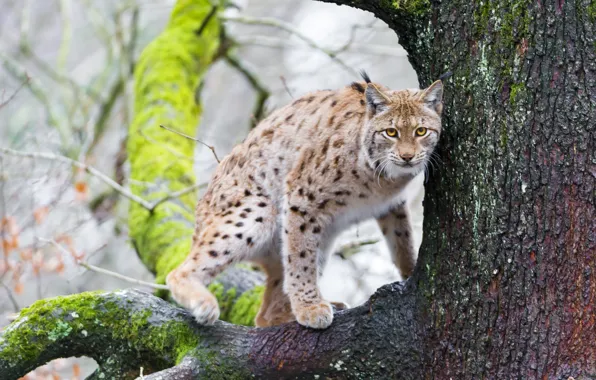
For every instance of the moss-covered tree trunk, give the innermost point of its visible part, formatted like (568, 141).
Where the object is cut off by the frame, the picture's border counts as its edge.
(505, 287)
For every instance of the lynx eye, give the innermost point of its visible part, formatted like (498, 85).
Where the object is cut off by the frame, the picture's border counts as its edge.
(391, 132)
(421, 131)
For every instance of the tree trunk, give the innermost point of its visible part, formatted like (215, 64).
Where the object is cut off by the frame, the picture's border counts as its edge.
(505, 286)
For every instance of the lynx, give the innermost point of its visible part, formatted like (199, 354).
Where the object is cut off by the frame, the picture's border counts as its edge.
(305, 173)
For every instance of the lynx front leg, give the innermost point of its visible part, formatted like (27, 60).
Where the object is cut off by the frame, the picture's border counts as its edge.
(302, 241)
(398, 231)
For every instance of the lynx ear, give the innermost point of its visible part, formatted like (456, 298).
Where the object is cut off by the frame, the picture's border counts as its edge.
(376, 100)
(432, 97)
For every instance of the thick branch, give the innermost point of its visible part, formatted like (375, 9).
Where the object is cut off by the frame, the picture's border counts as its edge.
(124, 331)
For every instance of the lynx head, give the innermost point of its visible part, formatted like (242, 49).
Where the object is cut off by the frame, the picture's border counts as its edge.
(403, 128)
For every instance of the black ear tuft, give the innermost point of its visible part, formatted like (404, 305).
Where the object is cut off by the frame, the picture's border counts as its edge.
(365, 76)
(358, 87)
(445, 76)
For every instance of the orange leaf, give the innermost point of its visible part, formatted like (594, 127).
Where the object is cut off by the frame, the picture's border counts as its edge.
(10, 244)
(18, 288)
(26, 254)
(37, 262)
(40, 214)
(9, 224)
(82, 190)
(54, 264)
(76, 370)
(79, 256)
(60, 267)
(64, 239)
(14, 242)
(6, 246)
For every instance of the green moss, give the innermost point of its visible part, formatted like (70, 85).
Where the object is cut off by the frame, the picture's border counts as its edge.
(246, 307)
(516, 90)
(167, 76)
(504, 136)
(44, 322)
(238, 309)
(591, 10)
(225, 299)
(412, 7)
(415, 7)
(85, 318)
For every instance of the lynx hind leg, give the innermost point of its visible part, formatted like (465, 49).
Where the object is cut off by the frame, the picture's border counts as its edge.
(275, 308)
(234, 237)
(398, 231)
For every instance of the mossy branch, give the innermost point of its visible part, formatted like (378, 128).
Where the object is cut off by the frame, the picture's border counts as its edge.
(128, 330)
(122, 331)
(167, 76)
(139, 329)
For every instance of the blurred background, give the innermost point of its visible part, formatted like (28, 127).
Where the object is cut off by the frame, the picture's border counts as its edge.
(66, 90)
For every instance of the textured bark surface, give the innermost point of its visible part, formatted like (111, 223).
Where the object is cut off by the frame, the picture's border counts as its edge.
(123, 331)
(507, 282)
(505, 287)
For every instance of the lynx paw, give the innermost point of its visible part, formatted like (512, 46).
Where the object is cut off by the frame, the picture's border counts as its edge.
(317, 316)
(205, 309)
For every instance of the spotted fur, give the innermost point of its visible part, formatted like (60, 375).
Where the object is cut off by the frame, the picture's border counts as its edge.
(308, 171)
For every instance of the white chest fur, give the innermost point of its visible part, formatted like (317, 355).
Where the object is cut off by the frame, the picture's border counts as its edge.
(376, 206)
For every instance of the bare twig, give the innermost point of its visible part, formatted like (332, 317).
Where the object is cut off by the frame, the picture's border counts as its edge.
(36, 89)
(89, 169)
(104, 113)
(12, 96)
(193, 139)
(15, 304)
(278, 43)
(97, 269)
(285, 83)
(57, 77)
(177, 194)
(262, 92)
(66, 14)
(290, 28)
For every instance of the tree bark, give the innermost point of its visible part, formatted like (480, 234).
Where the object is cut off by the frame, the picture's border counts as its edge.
(505, 286)
(123, 331)
(506, 278)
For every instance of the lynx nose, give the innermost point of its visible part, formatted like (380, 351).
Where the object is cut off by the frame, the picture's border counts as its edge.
(407, 157)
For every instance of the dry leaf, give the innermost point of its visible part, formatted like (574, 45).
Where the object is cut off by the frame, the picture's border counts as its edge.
(37, 262)
(26, 254)
(76, 370)
(54, 264)
(18, 288)
(10, 244)
(9, 225)
(40, 214)
(82, 190)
